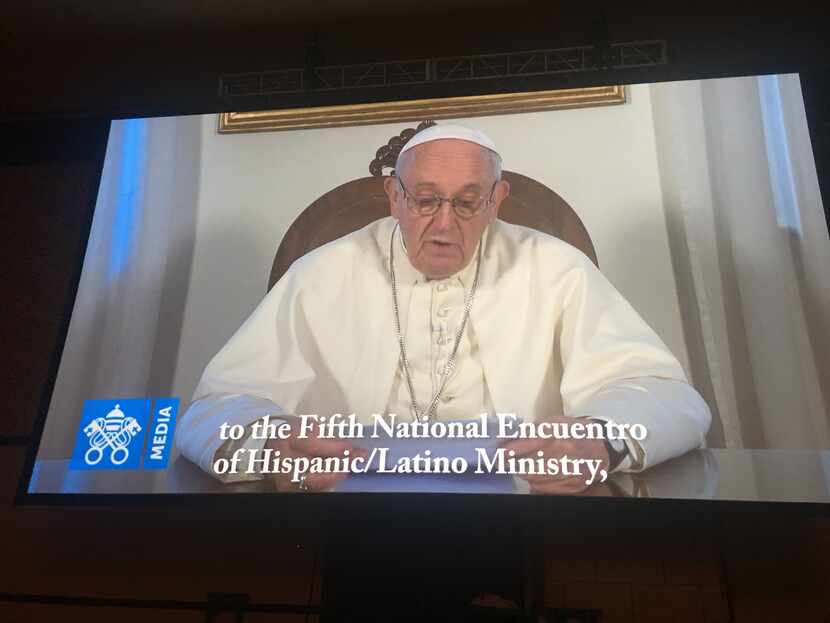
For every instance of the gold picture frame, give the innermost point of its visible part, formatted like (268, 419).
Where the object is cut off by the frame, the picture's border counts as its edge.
(416, 110)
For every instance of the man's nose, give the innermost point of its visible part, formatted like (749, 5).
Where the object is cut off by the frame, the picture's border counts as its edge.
(445, 217)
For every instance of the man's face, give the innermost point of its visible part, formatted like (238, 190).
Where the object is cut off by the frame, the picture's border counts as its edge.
(443, 243)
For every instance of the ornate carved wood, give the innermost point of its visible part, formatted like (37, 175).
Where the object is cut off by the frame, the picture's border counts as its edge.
(387, 155)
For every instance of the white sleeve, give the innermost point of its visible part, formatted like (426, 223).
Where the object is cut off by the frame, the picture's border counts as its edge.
(197, 433)
(673, 414)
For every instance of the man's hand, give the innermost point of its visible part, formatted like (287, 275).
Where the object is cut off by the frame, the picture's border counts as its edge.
(556, 448)
(309, 448)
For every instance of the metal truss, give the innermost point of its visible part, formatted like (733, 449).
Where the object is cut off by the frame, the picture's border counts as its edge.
(448, 69)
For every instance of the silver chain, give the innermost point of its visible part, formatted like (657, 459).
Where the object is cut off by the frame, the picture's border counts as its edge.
(450, 366)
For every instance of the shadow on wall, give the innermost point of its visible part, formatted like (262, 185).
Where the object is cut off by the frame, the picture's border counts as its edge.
(176, 284)
(638, 234)
(224, 290)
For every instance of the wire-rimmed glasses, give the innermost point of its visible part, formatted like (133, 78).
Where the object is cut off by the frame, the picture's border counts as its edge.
(464, 207)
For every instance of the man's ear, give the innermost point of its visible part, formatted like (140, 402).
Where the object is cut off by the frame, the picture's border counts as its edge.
(500, 193)
(393, 191)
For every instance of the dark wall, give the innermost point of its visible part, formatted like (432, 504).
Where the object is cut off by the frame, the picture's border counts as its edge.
(691, 564)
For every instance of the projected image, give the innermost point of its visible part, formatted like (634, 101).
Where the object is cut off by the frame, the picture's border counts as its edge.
(623, 300)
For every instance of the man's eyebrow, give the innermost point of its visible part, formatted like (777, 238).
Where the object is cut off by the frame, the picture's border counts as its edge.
(432, 185)
(472, 186)
(425, 185)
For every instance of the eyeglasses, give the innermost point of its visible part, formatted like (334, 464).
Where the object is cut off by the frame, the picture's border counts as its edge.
(464, 207)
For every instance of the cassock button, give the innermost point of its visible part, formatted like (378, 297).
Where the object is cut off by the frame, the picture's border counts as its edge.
(442, 313)
(442, 286)
(440, 369)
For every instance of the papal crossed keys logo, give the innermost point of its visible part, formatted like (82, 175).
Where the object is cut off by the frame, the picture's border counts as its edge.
(115, 431)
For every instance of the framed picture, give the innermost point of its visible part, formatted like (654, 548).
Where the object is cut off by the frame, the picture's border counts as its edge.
(415, 110)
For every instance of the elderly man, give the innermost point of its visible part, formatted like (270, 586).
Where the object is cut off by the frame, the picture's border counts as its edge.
(442, 311)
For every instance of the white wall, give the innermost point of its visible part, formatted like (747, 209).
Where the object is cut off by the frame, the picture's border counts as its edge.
(252, 186)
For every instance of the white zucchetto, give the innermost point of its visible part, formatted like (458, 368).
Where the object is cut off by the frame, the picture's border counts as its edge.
(450, 130)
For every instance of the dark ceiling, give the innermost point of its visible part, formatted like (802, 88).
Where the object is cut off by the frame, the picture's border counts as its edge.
(89, 15)
(80, 57)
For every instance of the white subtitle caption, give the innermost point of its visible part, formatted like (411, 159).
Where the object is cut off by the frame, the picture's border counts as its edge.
(505, 426)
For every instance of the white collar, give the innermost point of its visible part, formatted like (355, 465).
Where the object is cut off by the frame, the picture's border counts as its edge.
(407, 274)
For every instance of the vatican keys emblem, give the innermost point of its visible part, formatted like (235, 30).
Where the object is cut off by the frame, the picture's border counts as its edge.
(113, 432)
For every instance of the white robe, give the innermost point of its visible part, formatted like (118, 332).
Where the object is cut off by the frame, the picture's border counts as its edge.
(553, 337)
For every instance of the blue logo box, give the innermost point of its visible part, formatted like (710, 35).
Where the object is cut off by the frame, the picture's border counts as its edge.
(112, 434)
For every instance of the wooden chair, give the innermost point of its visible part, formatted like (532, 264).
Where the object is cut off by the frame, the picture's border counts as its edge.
(357, 203)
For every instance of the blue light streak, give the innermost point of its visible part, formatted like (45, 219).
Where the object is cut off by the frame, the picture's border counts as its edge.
(784, 196)
(130, 186)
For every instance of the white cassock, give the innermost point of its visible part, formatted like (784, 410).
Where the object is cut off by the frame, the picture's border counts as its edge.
(547, 335)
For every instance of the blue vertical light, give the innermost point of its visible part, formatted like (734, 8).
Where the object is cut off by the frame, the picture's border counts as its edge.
(778, 155)
(129, 188)
(33, 483)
